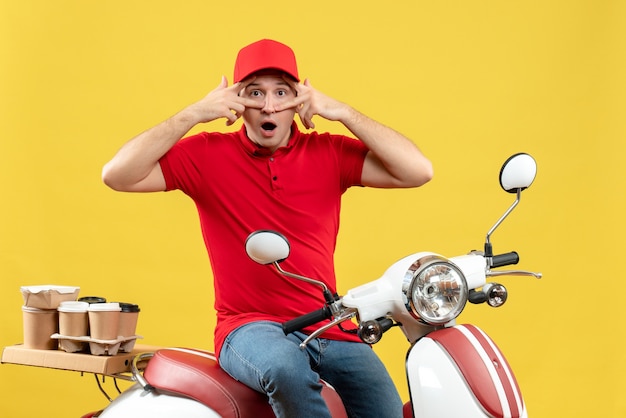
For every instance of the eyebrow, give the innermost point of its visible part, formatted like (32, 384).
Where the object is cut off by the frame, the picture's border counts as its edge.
(280, 82)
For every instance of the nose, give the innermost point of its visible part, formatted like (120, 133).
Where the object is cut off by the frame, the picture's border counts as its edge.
(269, 105)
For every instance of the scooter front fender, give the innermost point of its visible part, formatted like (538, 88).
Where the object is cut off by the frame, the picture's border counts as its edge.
(460, 372)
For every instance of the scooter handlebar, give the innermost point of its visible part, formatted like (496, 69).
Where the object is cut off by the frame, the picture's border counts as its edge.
(306, 320)
(505, 259)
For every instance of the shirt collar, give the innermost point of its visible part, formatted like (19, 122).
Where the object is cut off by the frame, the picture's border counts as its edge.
(259, 151)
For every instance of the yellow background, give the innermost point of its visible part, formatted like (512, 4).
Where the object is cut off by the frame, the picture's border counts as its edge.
(471, 82)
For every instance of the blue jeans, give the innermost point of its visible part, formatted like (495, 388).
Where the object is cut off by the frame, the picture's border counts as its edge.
(261, 356)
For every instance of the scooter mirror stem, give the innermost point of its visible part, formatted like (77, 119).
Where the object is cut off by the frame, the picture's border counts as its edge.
(488, 246)
(305, 279)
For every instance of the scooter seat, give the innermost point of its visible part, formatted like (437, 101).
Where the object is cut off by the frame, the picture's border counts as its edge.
(196, 374)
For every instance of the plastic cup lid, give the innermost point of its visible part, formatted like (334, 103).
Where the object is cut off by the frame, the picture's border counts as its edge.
(92, 299)
(129, 307)
(104, 307)
(73, 306)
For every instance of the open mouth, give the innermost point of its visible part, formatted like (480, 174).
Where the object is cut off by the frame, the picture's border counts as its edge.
(268, 126)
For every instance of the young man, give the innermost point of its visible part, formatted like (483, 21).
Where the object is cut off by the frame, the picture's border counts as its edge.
(270, 175)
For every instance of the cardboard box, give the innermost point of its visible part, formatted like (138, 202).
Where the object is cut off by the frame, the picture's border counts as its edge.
(48, 296)
(79, 362)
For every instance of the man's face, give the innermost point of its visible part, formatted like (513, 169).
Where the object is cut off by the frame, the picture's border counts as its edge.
(267, 127)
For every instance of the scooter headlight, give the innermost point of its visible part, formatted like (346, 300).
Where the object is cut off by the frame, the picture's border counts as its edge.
(435, 290)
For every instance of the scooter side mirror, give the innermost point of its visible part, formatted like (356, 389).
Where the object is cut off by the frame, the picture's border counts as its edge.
(518, 172)
(267, 247)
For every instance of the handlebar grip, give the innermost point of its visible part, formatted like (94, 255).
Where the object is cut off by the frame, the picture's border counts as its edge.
(305, 320)
(505, 259)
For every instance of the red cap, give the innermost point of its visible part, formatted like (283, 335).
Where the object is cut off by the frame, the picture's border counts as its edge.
(265, 54)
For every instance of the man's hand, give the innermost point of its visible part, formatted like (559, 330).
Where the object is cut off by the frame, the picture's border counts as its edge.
(310, 102)
(223, 102)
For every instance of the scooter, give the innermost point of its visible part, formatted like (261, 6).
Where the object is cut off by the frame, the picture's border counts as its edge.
(452, 370)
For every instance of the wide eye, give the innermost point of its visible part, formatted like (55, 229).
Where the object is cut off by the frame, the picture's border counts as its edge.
(286, 93)
(255, 94)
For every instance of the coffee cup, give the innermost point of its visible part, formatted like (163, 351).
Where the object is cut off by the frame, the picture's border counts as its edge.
(129, 315)
(39, 325)
(73, 319)
(104, 320)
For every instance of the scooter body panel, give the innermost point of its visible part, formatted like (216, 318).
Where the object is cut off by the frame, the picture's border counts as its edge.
(139, 403)
(458, 371)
